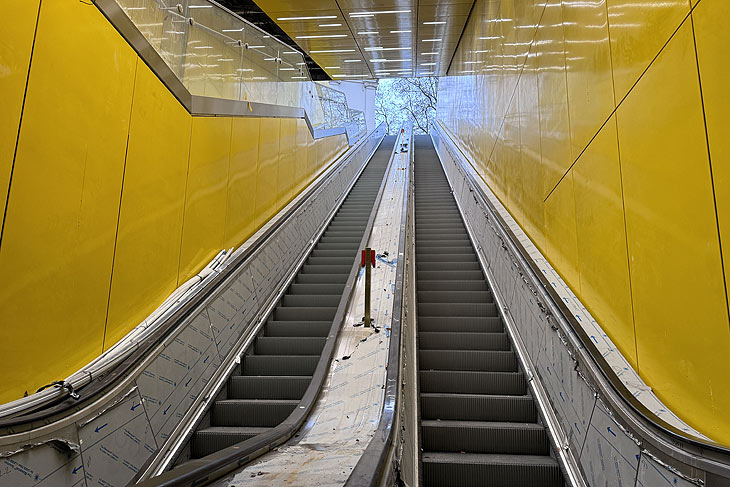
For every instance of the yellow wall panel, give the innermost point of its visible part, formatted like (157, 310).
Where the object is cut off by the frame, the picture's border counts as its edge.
(287, 161)
(304, 139)
(147, 251)
(581, 59)
(588, 63)
(205, 198)
(267, 178)
(713, 37)
(16, 41)
(676, 274)
(638, 30)
(241, 211)
(64, 199)
(561, 247)
(552, 93)
(602, 253)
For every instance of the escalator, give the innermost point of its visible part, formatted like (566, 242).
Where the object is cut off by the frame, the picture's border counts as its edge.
(277, 368)
(479, 425)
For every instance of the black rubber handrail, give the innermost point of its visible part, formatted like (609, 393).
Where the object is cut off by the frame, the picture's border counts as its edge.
(203, 470)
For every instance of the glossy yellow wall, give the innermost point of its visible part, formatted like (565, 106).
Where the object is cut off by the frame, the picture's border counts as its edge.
(602, 126)
(117, 194)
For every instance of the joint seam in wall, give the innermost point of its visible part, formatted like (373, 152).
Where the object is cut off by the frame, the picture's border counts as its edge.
(651, 63)
(20, 123)
(709, 163)
(185, 201)
(119, 207)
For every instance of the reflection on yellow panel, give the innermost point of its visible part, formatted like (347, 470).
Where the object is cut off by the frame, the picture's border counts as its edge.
(554, 127)
(241, 210)
(588, 61)
(638, 30)
(560, 234)
(302, 154)
(287, 161)
(267, 176)
(602, 254)
(205, 198)
(676, 274)
(151, 215)
(63, 218)
(713, 38)
(16, 39)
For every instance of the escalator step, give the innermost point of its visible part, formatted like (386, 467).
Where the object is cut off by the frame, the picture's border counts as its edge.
(461, 296)
(460, 323)
(462, 341)
(252, 412)
(297, 328)
(454, 286)
(210, 440)
(289, 345)
(320, 278)
(473, 382)
(311, 300)
(492, 470)
(485, 437)
(301, 313)
(482, 360)
(309, 289)
(484, 310)
(267, 387)
(477, 407)
(279, 364)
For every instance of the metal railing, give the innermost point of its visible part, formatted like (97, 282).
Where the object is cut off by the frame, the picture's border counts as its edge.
(217, 54)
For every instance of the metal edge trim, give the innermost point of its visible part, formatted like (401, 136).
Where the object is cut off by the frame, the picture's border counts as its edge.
(211, 467)
(663, 436)
(370, 467)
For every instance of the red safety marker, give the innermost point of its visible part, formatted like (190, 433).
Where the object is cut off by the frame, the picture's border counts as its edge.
(364, 258)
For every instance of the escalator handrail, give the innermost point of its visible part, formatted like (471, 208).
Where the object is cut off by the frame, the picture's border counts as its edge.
(666, 438)
(202, 470)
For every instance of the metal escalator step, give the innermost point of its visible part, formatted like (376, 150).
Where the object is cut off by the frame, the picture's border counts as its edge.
(210, 440)
(289, 345)
(457, 309)
(297, 328)
(333, 253)
(445, 246)
(477, 407)
(490, 470)
(460, 323)
(252, 412)
(279, 364)
(423, 257)
(456, 286)
(333, 260)
(447, 266)
(309, 289)
(327, 246)
(326, 269)
(484, 437)
(454, 230)
(454, 296)
(311, 300)
(483, 360)
(267, 387)
(457, 240)
(301, 313)
(320, 278)
(450, 275)
(463, 341)
(475, 382)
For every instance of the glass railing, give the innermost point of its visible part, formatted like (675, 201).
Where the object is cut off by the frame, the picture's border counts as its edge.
(216, 53)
